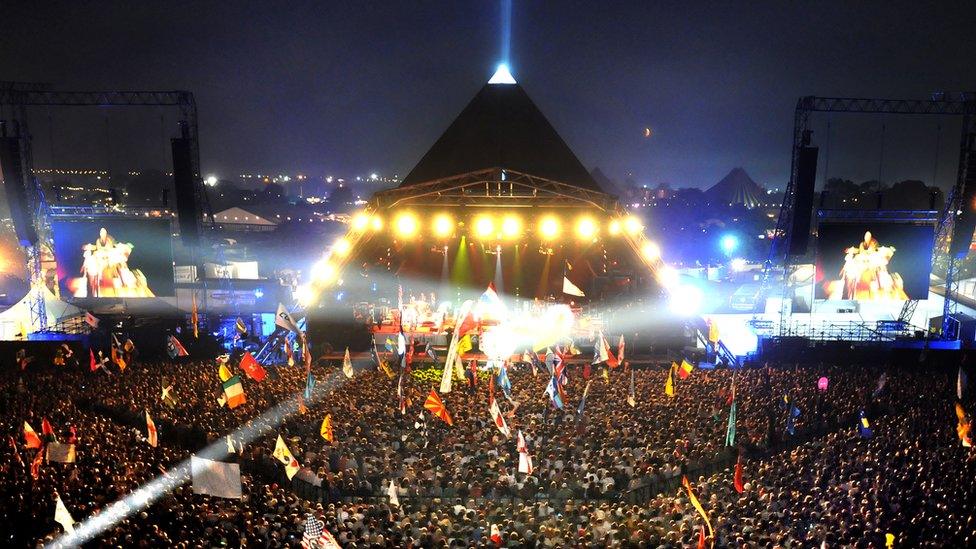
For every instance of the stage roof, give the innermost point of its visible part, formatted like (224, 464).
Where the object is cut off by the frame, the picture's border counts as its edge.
(501, 128)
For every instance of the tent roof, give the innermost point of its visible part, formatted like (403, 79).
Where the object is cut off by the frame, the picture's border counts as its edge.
(501, 128)
(736, 188)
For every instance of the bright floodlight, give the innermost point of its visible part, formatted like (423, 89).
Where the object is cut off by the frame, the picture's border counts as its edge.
(323, 272)
(738, 264)
(585, 228)
(443, 226)
(360, 221)
(633, 225)
(341, 247)
(549, 227)
(484, 227)
(729, 243)
(376, 222)
(211, 180)
(668, 277)
(651, 251)
(406, 225)
(502, 76)
(511, 226)
(686, 300)
(614, 227)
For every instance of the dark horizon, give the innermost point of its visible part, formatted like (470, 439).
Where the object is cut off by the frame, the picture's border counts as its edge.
(354, 90)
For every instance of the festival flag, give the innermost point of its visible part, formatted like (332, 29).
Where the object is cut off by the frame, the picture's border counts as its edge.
(240, 327)
(306, 354)
(496, 417)
(685, 369)
(347, 364)
(283, 454)
(601, 352)
(36, 464)
(961, 382)
(151, 435)
(467, 324)
(129, 348)
(174, 348)
(326, 429)
(309, 386)
(737, 479)
(552, 389)
(669, 384)
(234, 392)
(504, 382)
(791, 419)
(464, 345)
(251, 367)
(582, 404)
(962, 428)
(284, 320)
(117, 355)
(91, 320)
(61, 453)
(864, 426)
(315, 534)
(30, 437)
(496, 535)
(289, 351)
(632, 396)
(47, 431)
(620, 349)
(713, 331)
(572, 289)
(436, 407)
(63, 517)
(215, 478)
(92, 365)
(391, 492)
(525, 463)
(881, 385)
(194, 317)
(697, 505)
(223, 372)
(730, 430)
(302, 409)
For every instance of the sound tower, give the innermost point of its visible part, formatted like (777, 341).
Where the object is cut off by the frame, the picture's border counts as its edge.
(13, 181)
(965, 225)
(187, 206)
(806, 176)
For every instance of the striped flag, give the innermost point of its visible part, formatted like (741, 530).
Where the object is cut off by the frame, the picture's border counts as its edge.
(436, 407)
(234, 392)
(151, 435)
(496, 417)
(30, 437)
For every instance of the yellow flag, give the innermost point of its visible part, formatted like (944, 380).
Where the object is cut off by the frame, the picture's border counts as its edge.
(669, 386)
(464, 345)
(697, 505)
(326, 429)
(223, 372)
(713, 331)
(283, 454)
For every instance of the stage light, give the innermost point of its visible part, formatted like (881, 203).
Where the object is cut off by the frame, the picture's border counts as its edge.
(304, 294)
(668, 277)
(633, 225)
(324, 272)
(585, 228)
(729, 243)
(614, 227)
(549, 227)
(686, 299)
(511, 227)
(443, 226)
(376, 222)
(360, 221)
(484, 227)
(341, 247)
(651, 251)
(406, 225)
(738, 264)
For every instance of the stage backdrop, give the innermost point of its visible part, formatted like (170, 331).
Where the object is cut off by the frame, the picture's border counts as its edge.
(114, 257)
(873, 261)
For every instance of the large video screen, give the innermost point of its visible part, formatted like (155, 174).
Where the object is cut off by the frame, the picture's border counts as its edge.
(874, 261)
(114, 257)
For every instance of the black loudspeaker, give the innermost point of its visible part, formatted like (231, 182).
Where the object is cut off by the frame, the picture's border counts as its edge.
(16, 187)
(965, 225)
(187, 206)
(806, 176)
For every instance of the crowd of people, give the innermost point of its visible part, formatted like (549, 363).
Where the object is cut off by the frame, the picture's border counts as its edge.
(597, 468)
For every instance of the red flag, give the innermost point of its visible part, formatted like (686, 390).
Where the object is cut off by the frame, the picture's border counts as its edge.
(251, 367)
(586, 371)
(46, 428)
(151, 435)
(467, 324)
(701, 538)
(73, 439)
(30, 437)
(92, 365)
(36, 465)
(738, 476)
(436, 407)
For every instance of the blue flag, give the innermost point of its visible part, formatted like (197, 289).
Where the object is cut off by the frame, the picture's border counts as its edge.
(582, 404)
(791, 420)
(553, 391)
(309, 385)
(504, 382)
(730, 431)
(864, 426)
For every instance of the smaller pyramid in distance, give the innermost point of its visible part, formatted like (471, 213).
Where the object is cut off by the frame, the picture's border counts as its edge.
(736, 188)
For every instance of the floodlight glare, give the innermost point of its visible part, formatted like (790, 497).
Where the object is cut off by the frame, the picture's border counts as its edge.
(585, 228)
(549, 227)
(651, 251)
(729, 243)
(341, 247)
(406, 225)
(360, 221)
(484, 227)
(633, 225)
(443, 226)
(376, 222)
(511, 226)
(614, 227)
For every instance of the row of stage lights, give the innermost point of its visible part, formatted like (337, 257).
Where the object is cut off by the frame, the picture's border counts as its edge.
(407, 226)
(486, 227)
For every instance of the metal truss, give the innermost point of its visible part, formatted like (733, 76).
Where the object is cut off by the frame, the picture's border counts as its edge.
(962, 104)
(494, 187)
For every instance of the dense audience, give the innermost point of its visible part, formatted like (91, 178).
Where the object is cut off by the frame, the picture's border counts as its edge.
(824, 484)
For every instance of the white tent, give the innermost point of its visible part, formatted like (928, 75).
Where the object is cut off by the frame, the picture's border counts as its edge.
(15, 322)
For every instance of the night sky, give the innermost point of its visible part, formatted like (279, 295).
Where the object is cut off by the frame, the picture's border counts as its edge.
(354, 87)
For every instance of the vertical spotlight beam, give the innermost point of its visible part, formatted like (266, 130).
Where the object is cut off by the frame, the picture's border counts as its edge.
(506, 31)
(499, 286)
(517, 269)
(462, 265)
(542, 290)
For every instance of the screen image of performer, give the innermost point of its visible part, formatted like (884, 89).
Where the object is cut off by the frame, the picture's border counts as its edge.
(865, 276)
(105, 271)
